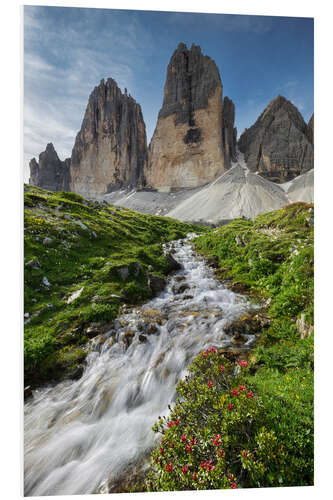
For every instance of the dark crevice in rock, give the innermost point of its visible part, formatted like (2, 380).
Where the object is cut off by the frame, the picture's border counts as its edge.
(192, 135)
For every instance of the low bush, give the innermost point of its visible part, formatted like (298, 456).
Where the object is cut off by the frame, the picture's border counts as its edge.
(215, 436)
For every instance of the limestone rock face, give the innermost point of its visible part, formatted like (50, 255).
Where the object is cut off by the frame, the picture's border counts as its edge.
(186, 149)
(229, 133)
(50, 172)
(310, 129)
(277, 145)
(110, 150)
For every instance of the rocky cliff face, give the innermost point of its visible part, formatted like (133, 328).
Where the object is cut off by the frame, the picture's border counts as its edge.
(186, 149)
(50, 172)
(310, 129)
(110, 150)
(229, 133)
(277, 145)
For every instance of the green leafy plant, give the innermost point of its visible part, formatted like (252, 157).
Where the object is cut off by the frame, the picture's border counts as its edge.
(215, 436)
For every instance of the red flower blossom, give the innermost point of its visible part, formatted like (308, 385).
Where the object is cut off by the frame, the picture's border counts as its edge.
(170, 424)
(183, 438)
(231, 406)
(221, 368)
(194, 477)
(242, 363)
(212, 349)
(161, 451)
(249, 394)
(233, 486)
(193, 441)
(242, 387)
(207, 465)
(176, 422)
(172, 444)
(205, 354)
(168, 467)
(156, 460)
(220, 452)
(216, 439)
(188, 448)
(244, 453)
(235, 392)
(231, 477)
(210, 384)
(185, 469)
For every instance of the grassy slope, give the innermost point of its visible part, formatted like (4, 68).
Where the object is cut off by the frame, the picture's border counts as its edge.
(87, 243)
(272, 257)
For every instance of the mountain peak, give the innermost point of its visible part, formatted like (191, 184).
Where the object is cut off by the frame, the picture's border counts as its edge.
(277, 145)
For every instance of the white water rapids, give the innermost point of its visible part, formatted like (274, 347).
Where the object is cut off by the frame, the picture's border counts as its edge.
(80, 434)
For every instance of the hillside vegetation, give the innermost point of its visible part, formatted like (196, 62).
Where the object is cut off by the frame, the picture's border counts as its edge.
(256, 428)
(100, 252)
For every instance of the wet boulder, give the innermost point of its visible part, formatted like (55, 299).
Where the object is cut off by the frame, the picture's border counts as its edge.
(178, 289)
(173, 264)
(249, 324)
(142, 338)
(180, 278)
(152, 315)
(151, 329)
(127, 337)
(27, 391)
(213, 261)
(238, 339)
(156, 284)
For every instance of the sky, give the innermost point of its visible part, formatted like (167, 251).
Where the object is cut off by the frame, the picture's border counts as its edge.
(67, 51)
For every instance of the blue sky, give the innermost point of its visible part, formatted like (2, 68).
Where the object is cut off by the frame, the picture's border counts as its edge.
(67, 51)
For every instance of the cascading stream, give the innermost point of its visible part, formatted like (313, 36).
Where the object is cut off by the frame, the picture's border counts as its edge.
(80, 434)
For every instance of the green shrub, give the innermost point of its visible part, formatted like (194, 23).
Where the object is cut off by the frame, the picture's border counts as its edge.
(215, 436)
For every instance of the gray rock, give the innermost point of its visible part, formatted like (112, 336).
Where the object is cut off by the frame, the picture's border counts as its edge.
(136, 269)
(174, 265)
(229, 132)
(213, 261)
(303, 328)
(156, 284)
(46, 282)
(181, 288)
(110, 150)
(47, 241)
(310, 129)
(27, 392)
(33, 264)
(192, 79)
(151, 329)
(278, 146)
(93, 330)
(50, 173)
